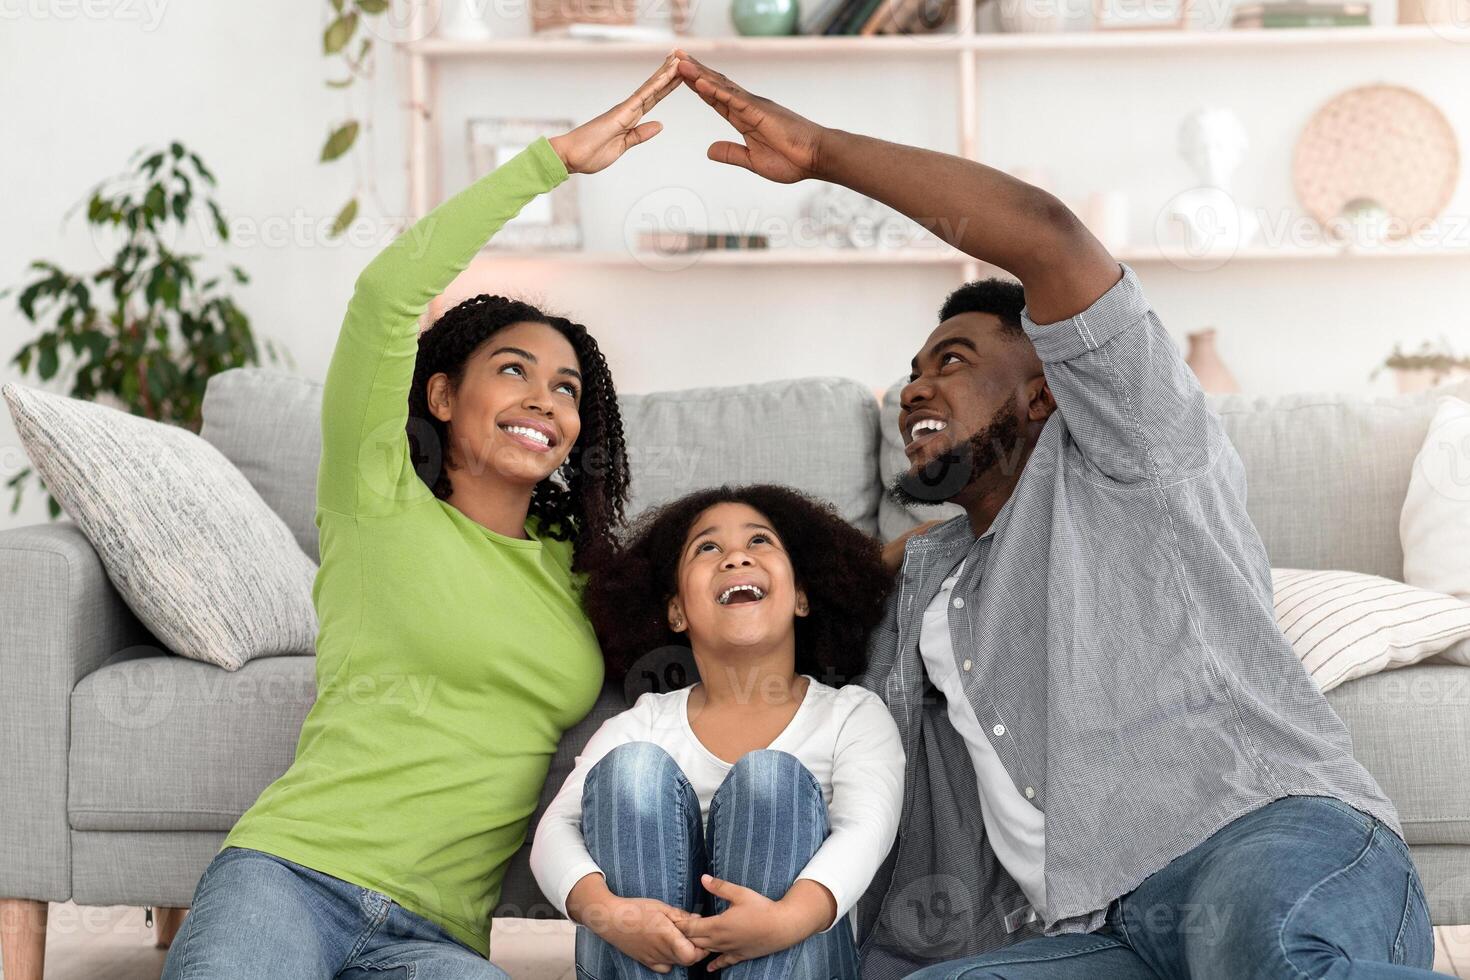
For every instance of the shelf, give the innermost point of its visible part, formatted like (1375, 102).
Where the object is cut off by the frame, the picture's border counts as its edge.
(944, 257)
(993, 44)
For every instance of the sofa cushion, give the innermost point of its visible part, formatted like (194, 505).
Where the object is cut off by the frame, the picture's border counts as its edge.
(268, 424)
(1411, 729)
(816, 434)
(163, 743)
(1328, 474)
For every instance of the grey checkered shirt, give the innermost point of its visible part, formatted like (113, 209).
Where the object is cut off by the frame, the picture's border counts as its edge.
(1115, 636)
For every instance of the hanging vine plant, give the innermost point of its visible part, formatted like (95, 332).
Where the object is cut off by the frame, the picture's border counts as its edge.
(348, 42)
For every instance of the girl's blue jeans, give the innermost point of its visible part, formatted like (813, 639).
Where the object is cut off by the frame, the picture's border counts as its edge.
(641, 821)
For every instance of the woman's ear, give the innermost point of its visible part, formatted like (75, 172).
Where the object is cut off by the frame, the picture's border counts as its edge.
(436, 393)
(676, 616)
(803, 608)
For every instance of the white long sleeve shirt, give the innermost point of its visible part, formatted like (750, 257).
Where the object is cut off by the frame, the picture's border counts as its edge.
(844, 736)
(1015, 827)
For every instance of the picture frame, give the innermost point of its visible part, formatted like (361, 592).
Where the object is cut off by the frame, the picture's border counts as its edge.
(551, 222)
(1140, 15)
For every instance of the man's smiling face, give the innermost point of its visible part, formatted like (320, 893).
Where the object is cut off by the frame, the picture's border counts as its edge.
(965, 411)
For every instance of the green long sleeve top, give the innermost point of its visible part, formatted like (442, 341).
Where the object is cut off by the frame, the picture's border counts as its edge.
(450, 658)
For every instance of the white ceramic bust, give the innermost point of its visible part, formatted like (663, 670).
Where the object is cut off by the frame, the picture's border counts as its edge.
(1213, 142)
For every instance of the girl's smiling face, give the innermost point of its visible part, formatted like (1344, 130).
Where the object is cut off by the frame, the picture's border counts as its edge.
(737, 588)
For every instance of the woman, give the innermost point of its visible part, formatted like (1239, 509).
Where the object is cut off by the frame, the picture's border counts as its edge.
(455, 521)
(786, 790)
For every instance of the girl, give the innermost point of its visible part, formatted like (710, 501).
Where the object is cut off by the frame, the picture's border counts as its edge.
(455, 521)
(787, 791)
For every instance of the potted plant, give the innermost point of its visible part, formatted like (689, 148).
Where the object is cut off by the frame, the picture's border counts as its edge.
(145, 331)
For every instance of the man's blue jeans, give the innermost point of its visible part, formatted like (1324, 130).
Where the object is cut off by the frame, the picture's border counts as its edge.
(1305, 887)
(260, 917)
(641, 821)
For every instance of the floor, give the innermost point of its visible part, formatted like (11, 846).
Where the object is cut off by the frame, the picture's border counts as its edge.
(113, 943)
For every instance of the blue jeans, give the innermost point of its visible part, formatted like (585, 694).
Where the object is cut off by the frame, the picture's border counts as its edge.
(256, 916)
(640, 818)
(1305, 887)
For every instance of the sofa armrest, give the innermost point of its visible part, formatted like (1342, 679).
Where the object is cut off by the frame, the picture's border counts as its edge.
(60, 619)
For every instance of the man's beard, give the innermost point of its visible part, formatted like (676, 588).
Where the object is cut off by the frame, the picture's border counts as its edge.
(957, 469)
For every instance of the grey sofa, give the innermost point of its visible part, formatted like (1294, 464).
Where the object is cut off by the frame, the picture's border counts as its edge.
(122, 765)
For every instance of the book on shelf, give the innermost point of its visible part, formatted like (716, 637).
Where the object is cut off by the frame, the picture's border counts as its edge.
(1301, 13)
(608, 32)
(676, 242)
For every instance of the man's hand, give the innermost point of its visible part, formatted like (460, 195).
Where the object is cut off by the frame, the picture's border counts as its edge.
(643, 928)
(596, 143)
(893, 550)
(754, 925)
(779, 144)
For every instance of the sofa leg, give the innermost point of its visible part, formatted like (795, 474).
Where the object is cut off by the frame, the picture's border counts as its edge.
(22, 937)
(166, 922)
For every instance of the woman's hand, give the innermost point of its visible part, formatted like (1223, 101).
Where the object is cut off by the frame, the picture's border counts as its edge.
(754, 925)
(893, 550)
(643, 928)
(779, 145)
(596, 143)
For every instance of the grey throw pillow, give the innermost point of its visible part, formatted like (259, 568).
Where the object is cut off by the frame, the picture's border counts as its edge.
(190, 546)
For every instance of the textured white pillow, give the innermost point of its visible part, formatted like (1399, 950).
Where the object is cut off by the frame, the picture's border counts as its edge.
(1434, 526)
(190, 546)
(1346, 624)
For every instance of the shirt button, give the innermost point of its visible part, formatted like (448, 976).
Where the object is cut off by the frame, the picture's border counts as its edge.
(959, 603)
(965, 666)
(999, 730)
(1030, 793)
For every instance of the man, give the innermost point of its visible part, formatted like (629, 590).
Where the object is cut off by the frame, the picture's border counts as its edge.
(1127, 773)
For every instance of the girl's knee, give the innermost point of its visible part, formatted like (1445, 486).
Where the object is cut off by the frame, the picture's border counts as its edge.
(640, 772)
(771, 771)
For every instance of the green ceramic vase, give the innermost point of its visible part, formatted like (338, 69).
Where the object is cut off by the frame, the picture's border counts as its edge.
(764, 18)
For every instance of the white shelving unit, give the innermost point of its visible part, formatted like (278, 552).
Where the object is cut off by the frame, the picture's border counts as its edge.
(964, 47)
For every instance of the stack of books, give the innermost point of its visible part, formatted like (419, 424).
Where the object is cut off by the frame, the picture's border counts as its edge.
(869, 17)
(1301, 13)
(676, 242)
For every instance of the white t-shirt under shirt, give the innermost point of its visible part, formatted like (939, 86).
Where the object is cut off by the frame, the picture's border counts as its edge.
(1015, 827)
(844, 736)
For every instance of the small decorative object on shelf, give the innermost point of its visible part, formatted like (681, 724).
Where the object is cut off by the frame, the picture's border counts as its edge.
(1204, 360)
(1213, 142)
(764, 18)
(836, 217)
(1301, 13)
(681, 242)
(1106, 216)
(550, 221)
(1140, 14)
(463, 20)
(1031, 16)
(618, 19)
(869, 17)
(1437, 13)
(1428, 367)
(1378, 148)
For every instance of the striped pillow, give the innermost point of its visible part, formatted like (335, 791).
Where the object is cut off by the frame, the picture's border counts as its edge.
(1346, 624)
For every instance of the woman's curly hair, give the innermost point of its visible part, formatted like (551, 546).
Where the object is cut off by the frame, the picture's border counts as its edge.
(583, 501)
(839, 567)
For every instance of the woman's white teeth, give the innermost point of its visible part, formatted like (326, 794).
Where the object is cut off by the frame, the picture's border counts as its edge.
(926, 425)
(529, 433)
(753, 590)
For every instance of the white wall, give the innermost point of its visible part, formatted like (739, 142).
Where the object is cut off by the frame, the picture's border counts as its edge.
(81, 86)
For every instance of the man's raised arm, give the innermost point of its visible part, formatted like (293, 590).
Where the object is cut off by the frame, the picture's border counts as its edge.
(981, 211)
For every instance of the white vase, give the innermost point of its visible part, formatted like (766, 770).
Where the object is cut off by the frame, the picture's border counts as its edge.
(464, 20)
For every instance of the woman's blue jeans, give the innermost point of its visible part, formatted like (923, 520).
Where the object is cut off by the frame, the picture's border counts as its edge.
(641, 821)
(256, 916)
(1305, 888)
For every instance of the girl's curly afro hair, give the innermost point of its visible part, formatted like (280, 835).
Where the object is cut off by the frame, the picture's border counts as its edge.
(583, 501)
(840, 568)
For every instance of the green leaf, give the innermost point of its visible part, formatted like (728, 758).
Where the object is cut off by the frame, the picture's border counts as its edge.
(239, 274)
(372, 6)
(340, 141)
(177, 149)
(181, 206)
(152, 164)
(364, 48)
(340, 82)
(203, 170)
(220, 226)
(53, 508)
(339, 32)
(46, 367)
(337, 5)
(344, 218)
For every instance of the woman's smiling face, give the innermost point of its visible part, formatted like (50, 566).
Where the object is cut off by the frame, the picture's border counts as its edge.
(515, 411)
(736, 584)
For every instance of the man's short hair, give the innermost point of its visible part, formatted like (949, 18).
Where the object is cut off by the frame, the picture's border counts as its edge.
(1002, 298)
